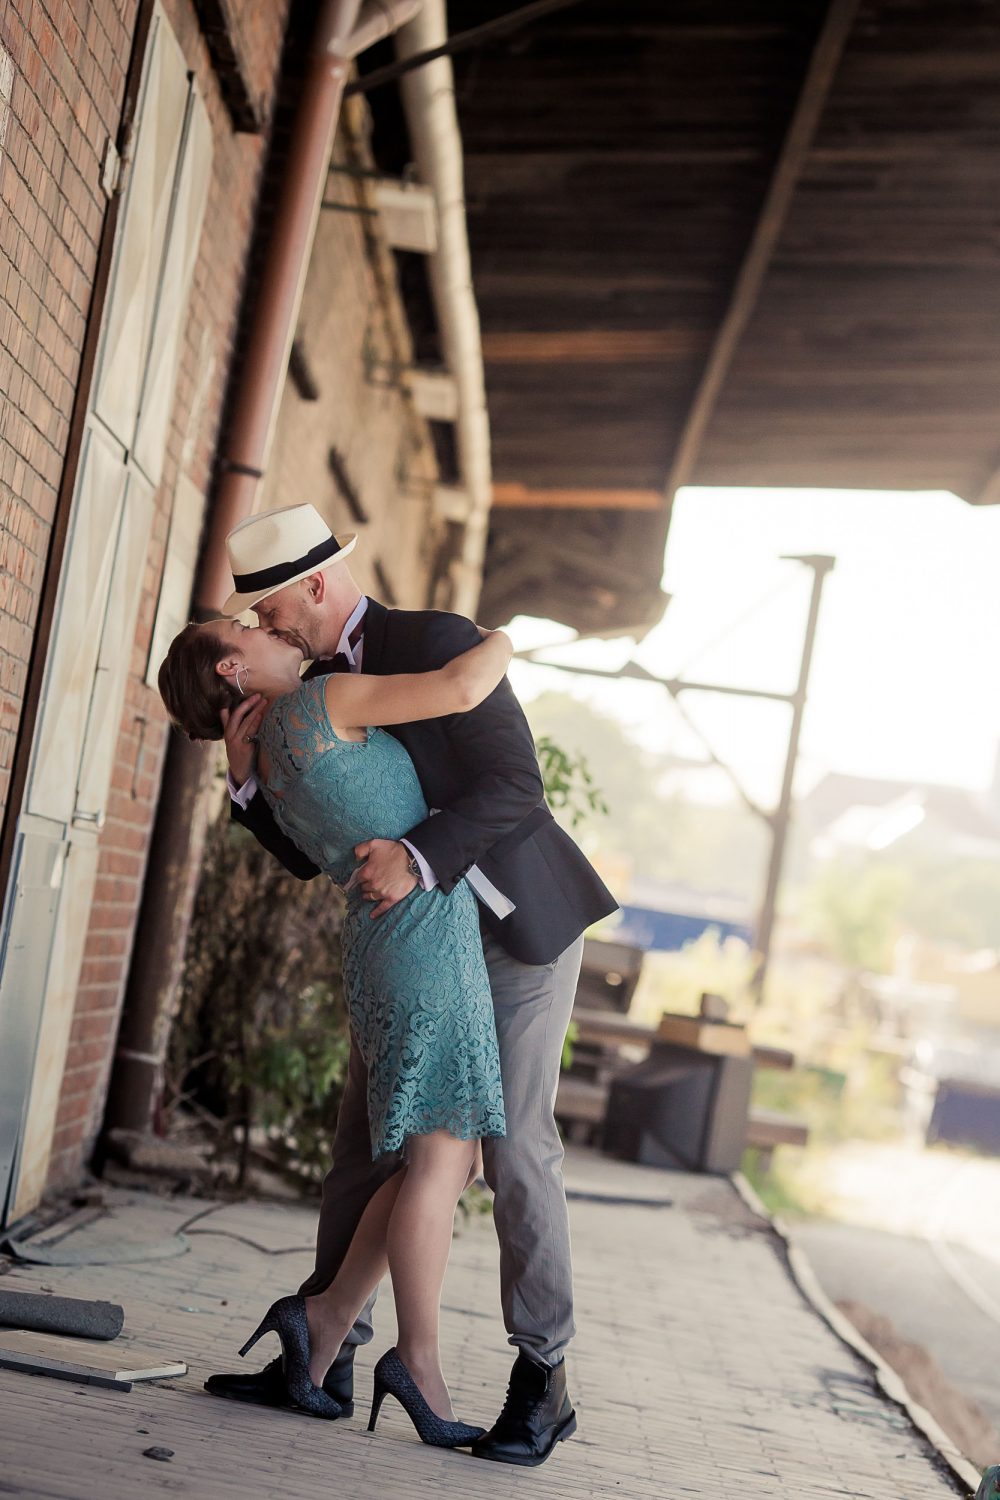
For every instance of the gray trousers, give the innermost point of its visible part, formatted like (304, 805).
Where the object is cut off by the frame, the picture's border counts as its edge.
(532, 1004)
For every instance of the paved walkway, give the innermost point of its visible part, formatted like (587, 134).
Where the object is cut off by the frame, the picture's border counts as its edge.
(699, 1371)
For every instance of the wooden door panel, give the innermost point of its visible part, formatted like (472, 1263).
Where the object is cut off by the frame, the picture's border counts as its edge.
(114, 658)
(65, 710)
(193, 178)
(139, 254)
(23, 968)
(177, 582)
(65, 957)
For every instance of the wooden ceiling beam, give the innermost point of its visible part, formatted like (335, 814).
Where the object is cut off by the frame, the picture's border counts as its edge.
(597, 346)
(817, 81)
(513, 496)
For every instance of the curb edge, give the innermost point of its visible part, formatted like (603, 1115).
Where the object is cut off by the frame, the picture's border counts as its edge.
(891, 1384)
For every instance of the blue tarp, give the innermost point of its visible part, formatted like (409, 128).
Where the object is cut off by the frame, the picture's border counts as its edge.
(966, 1114)
(668, 931)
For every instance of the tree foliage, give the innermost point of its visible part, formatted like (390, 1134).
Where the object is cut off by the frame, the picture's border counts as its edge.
(260, 1040)
(855, 910)
(659, 832)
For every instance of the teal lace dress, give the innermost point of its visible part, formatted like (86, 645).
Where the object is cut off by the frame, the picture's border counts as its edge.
(417, 989)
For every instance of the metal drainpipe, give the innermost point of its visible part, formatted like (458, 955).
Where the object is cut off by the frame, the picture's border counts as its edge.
(336, 41)
(344, 28)
(429, 101)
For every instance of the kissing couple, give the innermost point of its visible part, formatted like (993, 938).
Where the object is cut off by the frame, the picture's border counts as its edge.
(401, 765)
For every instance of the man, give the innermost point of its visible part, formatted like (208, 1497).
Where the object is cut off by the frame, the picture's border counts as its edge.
(537, 895)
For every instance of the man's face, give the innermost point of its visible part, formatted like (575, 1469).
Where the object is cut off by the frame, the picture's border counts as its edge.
(291, 615)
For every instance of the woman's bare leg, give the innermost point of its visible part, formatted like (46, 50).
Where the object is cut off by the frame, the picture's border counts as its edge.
(418, 1245)
(407, 1229)
(332, 1312)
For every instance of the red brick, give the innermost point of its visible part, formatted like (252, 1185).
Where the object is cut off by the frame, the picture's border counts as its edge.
(99, 1029)
(74, 1106)
(94, 1053)
(66, 1141)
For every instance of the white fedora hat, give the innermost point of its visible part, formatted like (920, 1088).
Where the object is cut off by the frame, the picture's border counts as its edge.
(278, 547)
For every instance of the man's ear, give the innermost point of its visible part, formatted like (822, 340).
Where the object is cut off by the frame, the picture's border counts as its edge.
(315, 586)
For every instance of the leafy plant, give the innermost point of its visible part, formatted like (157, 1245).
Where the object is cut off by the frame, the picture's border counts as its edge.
(569, 1045)
(294, 1074)
(260, 1043)
(569, 784)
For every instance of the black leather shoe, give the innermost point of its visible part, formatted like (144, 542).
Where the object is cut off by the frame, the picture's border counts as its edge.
(536, 1415)
(267, 1386)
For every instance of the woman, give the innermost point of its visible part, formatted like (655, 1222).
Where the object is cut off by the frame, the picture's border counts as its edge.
(417, 988)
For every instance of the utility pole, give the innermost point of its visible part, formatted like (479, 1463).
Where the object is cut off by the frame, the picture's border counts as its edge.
(821, 566)
(777, 820)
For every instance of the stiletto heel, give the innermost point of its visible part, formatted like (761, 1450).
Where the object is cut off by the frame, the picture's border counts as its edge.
(266, 1326)
(392, 1378)
(287, 1318)
(379, 1395)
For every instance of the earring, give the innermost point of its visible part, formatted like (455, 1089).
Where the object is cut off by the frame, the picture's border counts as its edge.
(239, 684)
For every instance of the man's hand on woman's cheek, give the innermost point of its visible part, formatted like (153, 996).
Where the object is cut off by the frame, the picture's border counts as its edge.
(386, 878)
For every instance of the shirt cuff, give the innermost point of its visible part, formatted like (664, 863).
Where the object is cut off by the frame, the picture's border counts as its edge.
(427, 877)
(244, 794)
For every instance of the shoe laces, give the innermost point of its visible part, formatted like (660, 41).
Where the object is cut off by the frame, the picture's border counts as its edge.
(517, 1396)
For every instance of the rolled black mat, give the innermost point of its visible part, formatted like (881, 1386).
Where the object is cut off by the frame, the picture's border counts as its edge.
(67, 1315)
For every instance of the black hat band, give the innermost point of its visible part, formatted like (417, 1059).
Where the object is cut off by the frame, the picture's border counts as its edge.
(272, 578)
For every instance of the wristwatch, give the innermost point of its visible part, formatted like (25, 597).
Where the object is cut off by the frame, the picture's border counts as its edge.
(411, 863)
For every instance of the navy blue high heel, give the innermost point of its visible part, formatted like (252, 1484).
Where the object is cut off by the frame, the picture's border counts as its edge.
(392, 1378)
(287, 1318)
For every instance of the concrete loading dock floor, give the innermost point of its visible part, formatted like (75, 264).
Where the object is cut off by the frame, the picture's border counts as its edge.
(700, 1369)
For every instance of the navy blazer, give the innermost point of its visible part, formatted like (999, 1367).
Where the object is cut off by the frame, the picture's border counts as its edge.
(481, 770)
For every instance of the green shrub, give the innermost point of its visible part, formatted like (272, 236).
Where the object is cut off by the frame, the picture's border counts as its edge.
(260, 1042)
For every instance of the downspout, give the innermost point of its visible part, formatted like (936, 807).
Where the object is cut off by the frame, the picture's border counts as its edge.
(340, 35)
(429, 101)
(344, 28)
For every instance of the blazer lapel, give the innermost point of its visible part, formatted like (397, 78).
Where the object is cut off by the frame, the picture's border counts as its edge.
(376, 619)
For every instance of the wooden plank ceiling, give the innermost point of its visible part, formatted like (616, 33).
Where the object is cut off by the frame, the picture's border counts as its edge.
(749, 242)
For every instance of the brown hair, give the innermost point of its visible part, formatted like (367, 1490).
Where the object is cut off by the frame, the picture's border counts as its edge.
(192, 690)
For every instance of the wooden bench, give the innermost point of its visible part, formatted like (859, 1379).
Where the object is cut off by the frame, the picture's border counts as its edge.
(581, 1104)
(767, 1128)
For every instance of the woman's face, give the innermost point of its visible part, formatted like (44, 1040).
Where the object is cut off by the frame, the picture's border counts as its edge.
(271, 663)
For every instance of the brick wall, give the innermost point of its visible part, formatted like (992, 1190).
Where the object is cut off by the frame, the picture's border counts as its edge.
(205, 364)
(69, 64)
(67, 94)
(66, 79)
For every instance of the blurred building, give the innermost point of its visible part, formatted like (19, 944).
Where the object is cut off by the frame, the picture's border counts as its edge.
(973, 980)
(853, 813)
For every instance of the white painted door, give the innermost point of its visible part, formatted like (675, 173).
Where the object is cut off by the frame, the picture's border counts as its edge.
(47, 905)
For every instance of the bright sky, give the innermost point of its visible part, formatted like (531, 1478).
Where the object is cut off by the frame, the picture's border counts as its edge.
(905, 681)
